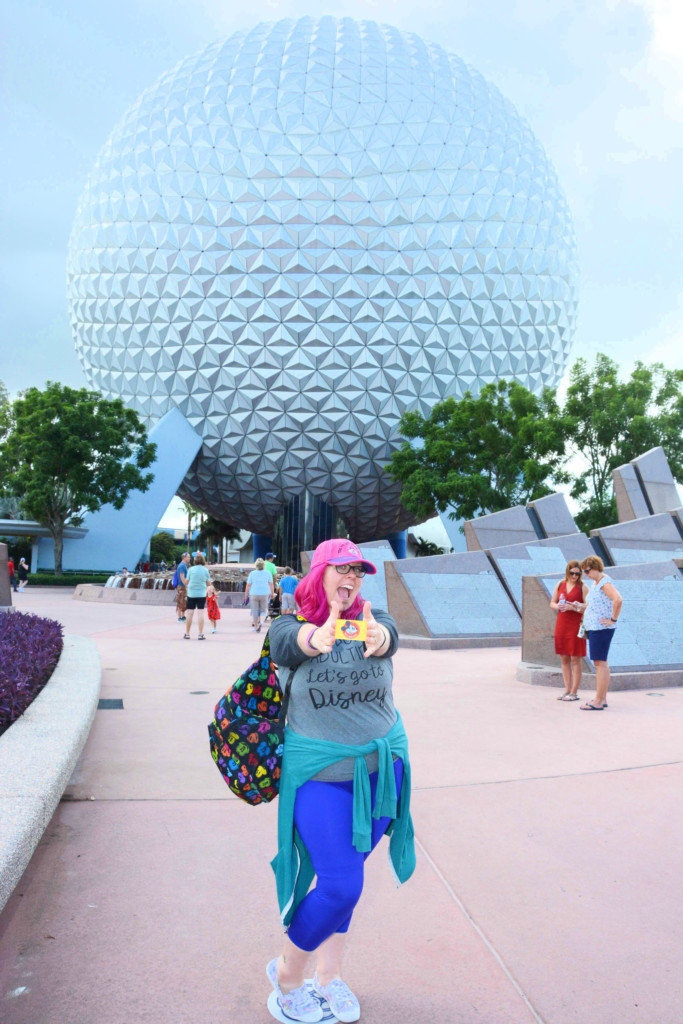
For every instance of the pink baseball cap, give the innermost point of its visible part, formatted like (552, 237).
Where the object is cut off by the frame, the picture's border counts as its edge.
(340, 552)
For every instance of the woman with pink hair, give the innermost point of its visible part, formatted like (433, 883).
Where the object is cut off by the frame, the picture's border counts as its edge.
(345, 775)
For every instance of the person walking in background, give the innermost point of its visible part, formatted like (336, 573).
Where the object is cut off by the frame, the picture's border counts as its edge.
(286, 588)
(12, 576)
(22, 573)
(180, 581)
(603, 606)
(345, 776)
(212, 610)
(259, 588)
(197, 581)
(270, 565)
(569, 601)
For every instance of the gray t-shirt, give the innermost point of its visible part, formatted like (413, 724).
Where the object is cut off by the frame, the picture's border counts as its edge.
(341, 696)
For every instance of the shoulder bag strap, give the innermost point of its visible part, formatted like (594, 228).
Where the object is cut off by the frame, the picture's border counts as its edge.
(285, 697)
(288, 687)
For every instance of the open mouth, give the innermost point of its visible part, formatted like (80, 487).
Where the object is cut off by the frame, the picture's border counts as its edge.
(345, 593)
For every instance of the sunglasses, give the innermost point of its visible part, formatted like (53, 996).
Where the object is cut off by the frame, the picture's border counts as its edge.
(574, 572)
(357, 570)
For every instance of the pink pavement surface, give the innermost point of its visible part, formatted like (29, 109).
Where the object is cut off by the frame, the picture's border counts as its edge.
(550, 848)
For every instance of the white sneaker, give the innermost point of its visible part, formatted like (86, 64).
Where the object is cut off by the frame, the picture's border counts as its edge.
(298, 1004)
(340, 999)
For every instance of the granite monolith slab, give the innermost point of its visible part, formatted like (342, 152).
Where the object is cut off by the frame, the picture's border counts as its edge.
(631, 502)
(511, 526)
(515, 561)
(649, 636)
(657, 480)
(450, 596)
(651, 539)
(553, 515)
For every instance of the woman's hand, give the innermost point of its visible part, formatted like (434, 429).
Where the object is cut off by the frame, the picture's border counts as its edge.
(322, 639)
(553, 600)
(377, 638)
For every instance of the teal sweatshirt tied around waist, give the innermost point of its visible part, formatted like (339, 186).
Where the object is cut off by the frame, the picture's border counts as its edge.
(302, 759)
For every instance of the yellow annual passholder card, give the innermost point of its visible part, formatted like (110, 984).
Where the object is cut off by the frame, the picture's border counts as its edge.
(350, 629)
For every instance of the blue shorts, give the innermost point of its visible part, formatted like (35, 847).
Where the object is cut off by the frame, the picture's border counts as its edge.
(598, 643)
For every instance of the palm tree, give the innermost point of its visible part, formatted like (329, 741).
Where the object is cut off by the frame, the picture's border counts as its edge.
(425, 548)
(192, 513)
(213, 530)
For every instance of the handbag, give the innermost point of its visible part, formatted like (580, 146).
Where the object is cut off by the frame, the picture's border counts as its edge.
(246, 736)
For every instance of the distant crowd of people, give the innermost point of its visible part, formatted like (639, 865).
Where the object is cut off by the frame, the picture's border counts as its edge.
(266, 597)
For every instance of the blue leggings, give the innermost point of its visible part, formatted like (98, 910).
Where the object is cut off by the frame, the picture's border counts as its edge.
(323, 815)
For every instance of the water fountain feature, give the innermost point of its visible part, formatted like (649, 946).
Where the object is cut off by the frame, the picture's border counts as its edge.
(228, 578)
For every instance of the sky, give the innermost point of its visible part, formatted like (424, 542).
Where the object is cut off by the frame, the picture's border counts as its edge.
(599, 81)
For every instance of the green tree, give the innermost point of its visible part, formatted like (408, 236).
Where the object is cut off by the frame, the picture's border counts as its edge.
(213, 531)
(480, 454)
(5, 411)
(162, 547)
(68, 452)
(608, 422)
(424, 548)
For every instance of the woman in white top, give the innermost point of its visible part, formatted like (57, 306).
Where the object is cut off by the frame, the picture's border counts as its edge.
(197, 579)
(259, 589)
(603, 606)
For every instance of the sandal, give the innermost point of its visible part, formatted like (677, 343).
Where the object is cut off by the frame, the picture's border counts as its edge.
(187, 636)
(563, 696)
(570, 696)
(201, 637)
(593, 707)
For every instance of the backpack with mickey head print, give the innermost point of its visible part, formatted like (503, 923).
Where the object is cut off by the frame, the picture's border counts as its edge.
(246, 735)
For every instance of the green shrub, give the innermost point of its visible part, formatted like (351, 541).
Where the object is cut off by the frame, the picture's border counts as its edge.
(72, 579)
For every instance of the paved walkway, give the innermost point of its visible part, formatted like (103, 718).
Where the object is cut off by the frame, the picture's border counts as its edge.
(550, 846)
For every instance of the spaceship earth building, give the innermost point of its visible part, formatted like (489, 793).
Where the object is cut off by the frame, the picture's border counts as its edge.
(299, 233)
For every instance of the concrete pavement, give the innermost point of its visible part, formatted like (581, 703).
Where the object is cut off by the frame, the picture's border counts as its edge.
(550, 845)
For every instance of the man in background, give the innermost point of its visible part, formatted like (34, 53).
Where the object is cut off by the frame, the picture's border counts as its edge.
(181, 586)
(286, 588)
(12, 577)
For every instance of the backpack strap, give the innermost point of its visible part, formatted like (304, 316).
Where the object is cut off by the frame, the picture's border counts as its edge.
(285, 696)
(287, 690)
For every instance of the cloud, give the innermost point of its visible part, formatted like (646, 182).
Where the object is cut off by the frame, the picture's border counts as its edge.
(652, 127)
(663, 342)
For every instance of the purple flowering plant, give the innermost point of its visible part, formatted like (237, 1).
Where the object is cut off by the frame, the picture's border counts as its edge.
(29, 651)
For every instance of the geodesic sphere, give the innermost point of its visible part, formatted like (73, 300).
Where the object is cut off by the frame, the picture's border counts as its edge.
(303, 231)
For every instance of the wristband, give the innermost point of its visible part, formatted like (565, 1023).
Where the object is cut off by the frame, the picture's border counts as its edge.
(308, 640)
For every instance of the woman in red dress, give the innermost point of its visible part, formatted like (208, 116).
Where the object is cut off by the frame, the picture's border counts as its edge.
(569, 601)
(212, 609)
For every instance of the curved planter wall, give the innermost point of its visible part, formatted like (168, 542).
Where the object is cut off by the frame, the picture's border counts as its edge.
(38, 753)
